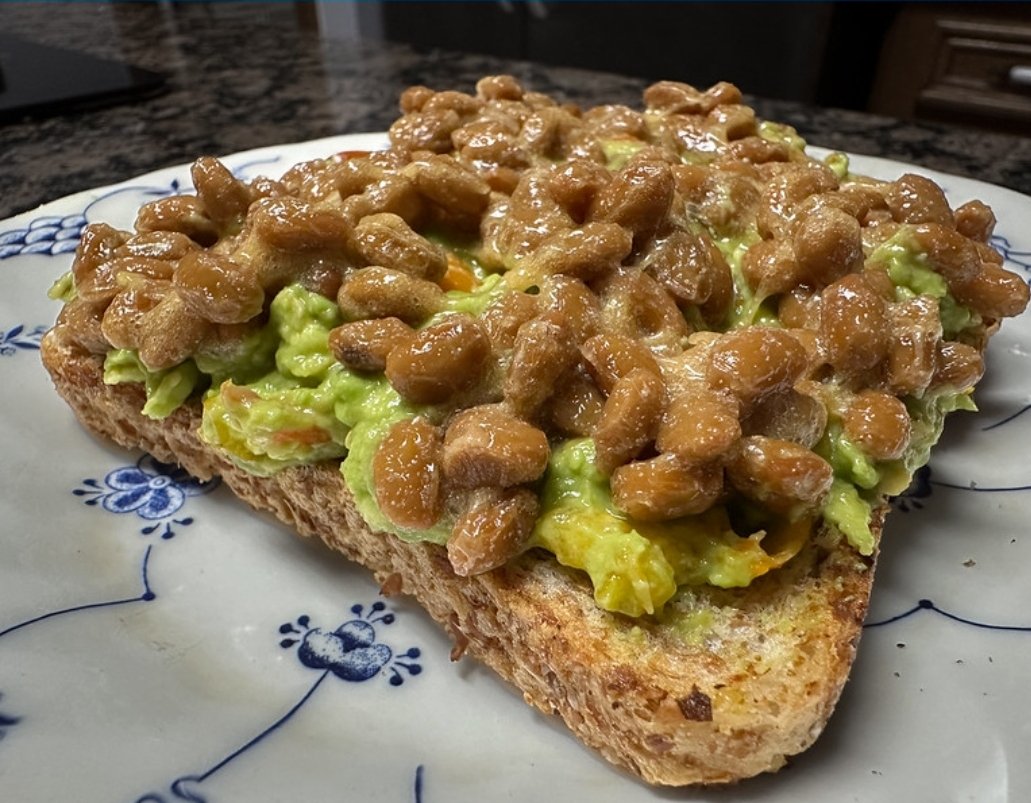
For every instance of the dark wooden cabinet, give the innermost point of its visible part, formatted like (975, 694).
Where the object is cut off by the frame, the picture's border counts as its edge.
(967, 63)
(774, 50)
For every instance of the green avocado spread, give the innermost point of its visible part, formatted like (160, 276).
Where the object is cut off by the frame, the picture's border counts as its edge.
(636, 566)
(912, 276)
(275, 397)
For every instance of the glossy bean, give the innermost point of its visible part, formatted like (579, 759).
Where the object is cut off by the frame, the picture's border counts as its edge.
(638, 198)
(364, 345)
(457, 189)
(917, 199)
(629, 420)
(698, 427)
(878, 423)
(976, 220)
(439, 361)
(294, 225)
(576, 404)
(181, 213)
(504, 317)
(494, 528)
(957, 366)
(913, 345)
(754, 361)
(853, 325)
(488, 447)
(218, 289)
(585, 253)
(376, 292)
(170, 333)
(610, 357)
(827, 245)
(663, 488)
(386, 239)
(406, 475)
(224, 197)
(789, 415)
(569, 303)
(782, 475)
(542, 352)
(993, 292)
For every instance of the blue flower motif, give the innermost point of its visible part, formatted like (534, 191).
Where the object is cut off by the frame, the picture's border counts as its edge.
(152, 490)
(17, 338)
(60, 234)
(351, 652)
(48, 235)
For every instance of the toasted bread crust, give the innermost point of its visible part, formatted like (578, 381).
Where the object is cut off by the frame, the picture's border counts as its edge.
(727, 685)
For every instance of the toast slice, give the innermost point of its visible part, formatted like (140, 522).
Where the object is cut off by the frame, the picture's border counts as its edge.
(762, 336)
(729, 684)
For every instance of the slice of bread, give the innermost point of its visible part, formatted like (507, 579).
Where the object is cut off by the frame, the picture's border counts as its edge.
(728, 684)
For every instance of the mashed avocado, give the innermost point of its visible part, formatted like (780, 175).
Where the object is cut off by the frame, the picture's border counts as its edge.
(63, 289)
(779, 132)
(370, 407)
(580, 525)
(838, 163)
(911, 274)
(273, 423)
(850, 513)
(749, 307)
(854, 472)
(859, 482)
(244, 360)
(278, 398)
(308, 407)
(636, 567)
(166, 389)
(287, 416)
(928, 417)
(617, 152)
(847, 459)
(476, 300)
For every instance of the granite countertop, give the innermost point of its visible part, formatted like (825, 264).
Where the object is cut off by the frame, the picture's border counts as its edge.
(242, 77)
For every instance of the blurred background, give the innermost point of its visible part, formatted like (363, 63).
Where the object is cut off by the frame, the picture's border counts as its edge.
(961, 63)
(94, 92)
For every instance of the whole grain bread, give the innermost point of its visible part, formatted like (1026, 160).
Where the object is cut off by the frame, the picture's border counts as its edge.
(726, 684)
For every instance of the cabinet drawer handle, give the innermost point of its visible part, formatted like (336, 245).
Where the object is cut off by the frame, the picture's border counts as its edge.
(1020, 75)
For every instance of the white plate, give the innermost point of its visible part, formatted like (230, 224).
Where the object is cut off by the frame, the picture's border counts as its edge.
(160, 658)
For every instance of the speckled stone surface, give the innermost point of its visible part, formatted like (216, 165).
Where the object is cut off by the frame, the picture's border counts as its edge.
(243, 76)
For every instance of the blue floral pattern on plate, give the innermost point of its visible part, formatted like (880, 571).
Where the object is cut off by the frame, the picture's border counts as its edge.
(176, 614)
(152, 490)
(928, 605)
(351, 652)
(21, 338)
(51, 235)
(1014, 256)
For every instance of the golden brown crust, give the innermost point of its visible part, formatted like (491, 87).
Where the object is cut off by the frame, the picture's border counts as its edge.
(727, 685)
